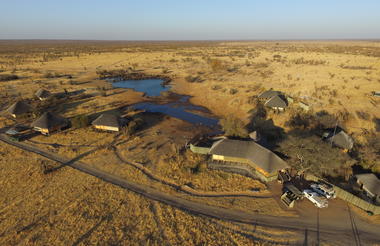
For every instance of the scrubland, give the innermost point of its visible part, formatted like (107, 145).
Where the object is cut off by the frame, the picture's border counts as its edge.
(67, 207)
(70, 208)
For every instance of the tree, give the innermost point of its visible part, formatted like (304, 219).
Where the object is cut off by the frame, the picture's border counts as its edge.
(369, 153)
(80, 121)
(133, 126)
(234, 127)
(301, 120)
(308, 152)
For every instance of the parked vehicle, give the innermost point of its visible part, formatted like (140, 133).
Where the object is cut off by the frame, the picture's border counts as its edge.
(324, 190)
(293, 190)
(318, 201)
(283, 177)
(18, 132)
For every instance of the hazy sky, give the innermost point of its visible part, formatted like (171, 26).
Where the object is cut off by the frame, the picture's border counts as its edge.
(189, 19)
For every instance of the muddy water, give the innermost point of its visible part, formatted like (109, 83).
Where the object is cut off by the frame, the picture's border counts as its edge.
(180, 108)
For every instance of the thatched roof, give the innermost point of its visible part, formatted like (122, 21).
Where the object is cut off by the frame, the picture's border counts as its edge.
(107, 120)
(340, 139)
(370, 181)
(276, 102)
(49, 120)
(19, 108)
(255, 135)
(269, 94)
(42, 93)
(260, 156)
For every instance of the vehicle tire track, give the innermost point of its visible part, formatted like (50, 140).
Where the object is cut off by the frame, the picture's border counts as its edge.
(354, 227)
(193, 207)
(184, 188)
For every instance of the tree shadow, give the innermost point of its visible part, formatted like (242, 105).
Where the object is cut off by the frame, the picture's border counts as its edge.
(149, 119)
(67, 106)
(377, 124)
(271, 134)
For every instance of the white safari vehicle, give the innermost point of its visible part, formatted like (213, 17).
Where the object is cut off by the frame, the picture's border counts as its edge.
(324, 190)
(318, 201)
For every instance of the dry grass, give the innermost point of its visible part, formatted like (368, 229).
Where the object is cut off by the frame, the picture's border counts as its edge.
(67, 207)
(70, 208)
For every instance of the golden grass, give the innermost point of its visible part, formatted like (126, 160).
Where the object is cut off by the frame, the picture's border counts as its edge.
(68, 207)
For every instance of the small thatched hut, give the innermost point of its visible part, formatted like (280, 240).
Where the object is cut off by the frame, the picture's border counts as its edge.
(43, 94)
(370, 184)
(107, 122)
(49, 122)
(19, 109)
(268, 94)
(277, 103)
(339, 138)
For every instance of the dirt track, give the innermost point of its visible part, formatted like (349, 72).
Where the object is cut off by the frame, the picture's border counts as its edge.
(326, 229)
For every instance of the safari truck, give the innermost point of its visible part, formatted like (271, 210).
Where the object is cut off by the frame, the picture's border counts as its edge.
(317, 200)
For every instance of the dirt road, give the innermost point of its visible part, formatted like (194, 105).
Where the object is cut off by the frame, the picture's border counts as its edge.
(323, 228)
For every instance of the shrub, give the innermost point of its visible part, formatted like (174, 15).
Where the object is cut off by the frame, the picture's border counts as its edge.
(306, 152)
(363, 115)
(259, 111)
(50, 75)
(259, 65)
(80, 121)
(300, 120)
(217, 65)
(192, 79)
(356, 67)
(233, 69)
(334, 93)
(325, 120)
(216, 87)
(133, 126)
(200, 167)
(369, 153)
(234, 127)
(376, 121)
(308, 62)
(46, 166)
(8, 77)
(233, 91)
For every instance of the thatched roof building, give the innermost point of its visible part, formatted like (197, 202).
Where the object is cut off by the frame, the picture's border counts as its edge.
(43, 94)
(340, 139)
(255, 136)
(370, 184)
(108, 122)
(19, 108)
(49, 122)
(277, 102)
(269, 94)
(248, 152)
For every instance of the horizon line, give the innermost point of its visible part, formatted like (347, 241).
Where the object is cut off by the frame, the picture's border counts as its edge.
(192, 40)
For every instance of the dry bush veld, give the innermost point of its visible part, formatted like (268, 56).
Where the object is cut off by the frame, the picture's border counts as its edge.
(66, 207)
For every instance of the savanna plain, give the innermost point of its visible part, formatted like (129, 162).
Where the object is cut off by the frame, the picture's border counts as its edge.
(45, 203)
